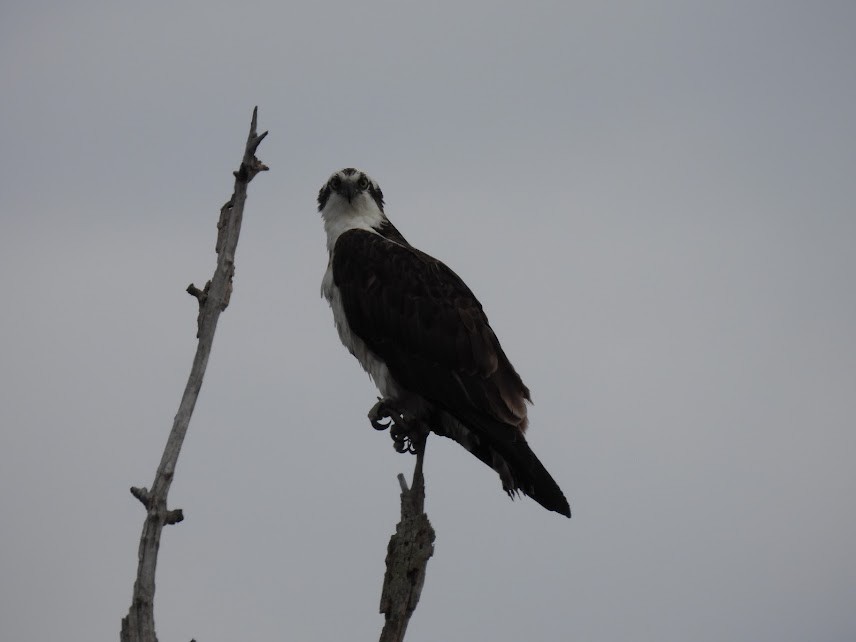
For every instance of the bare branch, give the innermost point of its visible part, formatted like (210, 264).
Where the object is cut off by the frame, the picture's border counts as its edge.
(142, 494)
(408, 553)
(139, 624)
(173, 516)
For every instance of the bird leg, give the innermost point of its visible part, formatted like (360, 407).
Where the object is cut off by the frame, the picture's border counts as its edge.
(406, 434)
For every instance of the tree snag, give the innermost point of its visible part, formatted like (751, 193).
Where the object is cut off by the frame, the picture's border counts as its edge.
(139, 624)
(412, 544)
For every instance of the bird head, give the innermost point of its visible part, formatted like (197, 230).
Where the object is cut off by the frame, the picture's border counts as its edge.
(349, 200)
(352, 188)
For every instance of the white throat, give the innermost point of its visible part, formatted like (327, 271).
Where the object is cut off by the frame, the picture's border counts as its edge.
(362, 213)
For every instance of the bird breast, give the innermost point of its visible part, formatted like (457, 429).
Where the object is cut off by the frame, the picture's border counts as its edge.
(368, 360)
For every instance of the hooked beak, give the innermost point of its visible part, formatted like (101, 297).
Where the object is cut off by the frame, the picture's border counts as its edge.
(348, 190)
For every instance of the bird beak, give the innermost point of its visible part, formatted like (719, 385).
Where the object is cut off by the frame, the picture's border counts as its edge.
(348, 191)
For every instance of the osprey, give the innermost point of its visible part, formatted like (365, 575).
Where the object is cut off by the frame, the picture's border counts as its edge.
(423, 337)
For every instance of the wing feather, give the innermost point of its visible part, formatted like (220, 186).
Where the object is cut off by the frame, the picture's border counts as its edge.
(410, 307)
(422, 320)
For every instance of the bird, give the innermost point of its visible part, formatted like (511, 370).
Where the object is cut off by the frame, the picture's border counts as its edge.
(424, 338)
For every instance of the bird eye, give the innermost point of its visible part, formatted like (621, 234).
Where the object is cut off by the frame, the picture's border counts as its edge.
(335, 182)
(363, 183)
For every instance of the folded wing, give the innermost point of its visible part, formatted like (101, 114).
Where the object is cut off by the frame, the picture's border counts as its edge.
(422, 320)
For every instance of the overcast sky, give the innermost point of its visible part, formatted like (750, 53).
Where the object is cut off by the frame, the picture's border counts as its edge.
(655, 204)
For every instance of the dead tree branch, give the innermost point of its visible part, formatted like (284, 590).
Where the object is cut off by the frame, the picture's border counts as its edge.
(139, 624)
(408, 552)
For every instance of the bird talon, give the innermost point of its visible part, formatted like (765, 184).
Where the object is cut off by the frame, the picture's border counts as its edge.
(401, 445)
(384, 416)
(377, 425)
(380, 412)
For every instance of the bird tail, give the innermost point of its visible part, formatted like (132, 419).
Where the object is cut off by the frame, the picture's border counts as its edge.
(504, 448)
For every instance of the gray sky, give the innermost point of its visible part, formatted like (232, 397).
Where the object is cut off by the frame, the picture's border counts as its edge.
(655, 204)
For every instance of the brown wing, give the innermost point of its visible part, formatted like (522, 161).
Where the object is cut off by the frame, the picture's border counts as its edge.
(425, 323)
(417, 315)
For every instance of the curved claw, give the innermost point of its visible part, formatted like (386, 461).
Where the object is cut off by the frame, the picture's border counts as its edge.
(380, 412)
(377, 425)
(400, 429)
(401, 445)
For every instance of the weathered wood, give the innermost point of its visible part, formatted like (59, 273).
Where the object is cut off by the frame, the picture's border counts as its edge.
(139, 624)
(407, 554)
